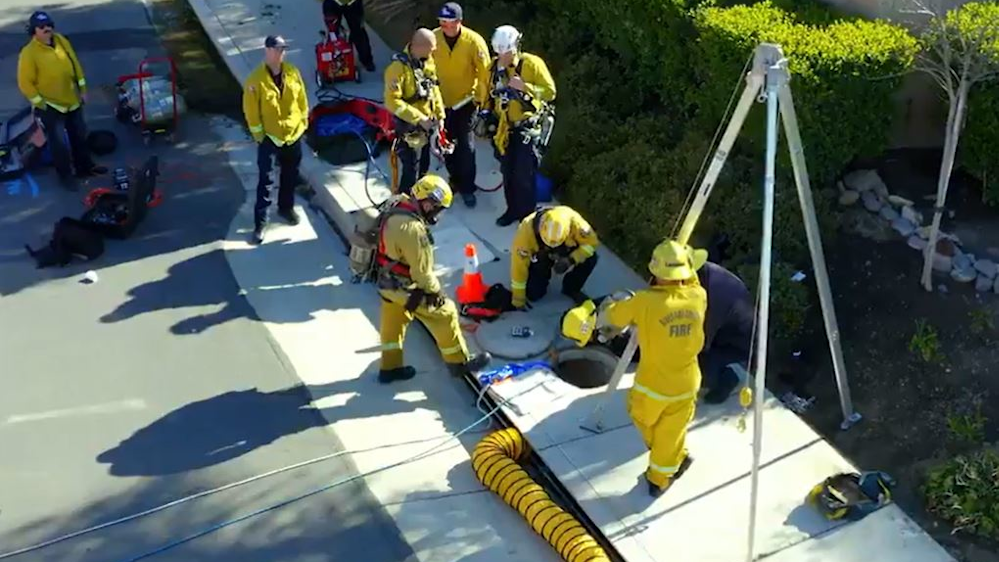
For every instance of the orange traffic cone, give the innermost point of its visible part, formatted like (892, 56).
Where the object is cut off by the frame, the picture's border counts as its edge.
(472, 288)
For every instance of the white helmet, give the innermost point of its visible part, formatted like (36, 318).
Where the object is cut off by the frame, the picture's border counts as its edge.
(506, 38)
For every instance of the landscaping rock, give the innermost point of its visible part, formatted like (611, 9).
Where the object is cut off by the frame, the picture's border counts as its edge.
(882, 190)
(996, 287)
(871, 201)
(965, 275)
(848, 197)
(987, 268)
(916, 243)
(984, 284)
(942, 263)
(863, 180)
(913, 216)
(923, 232)
(888, 213)
(946, 247)
(964, 261)
(904, 227)
(899, 201)
(867, 225)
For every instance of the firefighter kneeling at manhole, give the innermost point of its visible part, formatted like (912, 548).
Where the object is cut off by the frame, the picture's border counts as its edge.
(552, 239)
(408, 287)
(669, 317)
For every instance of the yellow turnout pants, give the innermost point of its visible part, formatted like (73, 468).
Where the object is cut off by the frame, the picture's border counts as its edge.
(662, 421)
(442, 323)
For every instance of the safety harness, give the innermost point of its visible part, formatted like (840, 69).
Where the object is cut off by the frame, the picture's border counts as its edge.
(424, 84)
(389, 269)
(537, 128)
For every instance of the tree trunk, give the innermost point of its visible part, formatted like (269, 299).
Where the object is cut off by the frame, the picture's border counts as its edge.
(955, 118)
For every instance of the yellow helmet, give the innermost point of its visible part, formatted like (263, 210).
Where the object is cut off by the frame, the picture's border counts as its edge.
(673, 261)
(435, 188)
(554, 227)
(578, 323)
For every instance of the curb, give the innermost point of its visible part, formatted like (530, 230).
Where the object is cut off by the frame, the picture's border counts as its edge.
(318, 195)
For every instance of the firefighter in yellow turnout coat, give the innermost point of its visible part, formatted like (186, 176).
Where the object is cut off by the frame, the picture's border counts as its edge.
(669, 318)
(521, 87)
(554, 238)
(413, 95)
(409, 288)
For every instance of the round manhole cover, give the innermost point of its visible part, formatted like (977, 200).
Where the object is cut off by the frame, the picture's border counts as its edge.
(517, 335)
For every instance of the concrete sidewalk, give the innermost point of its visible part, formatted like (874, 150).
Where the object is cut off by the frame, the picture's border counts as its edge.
(601, 471)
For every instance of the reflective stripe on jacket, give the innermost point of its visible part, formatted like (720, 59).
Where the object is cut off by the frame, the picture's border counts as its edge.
(670, 324)
(51, 75)
(581, 243)
(280, 114)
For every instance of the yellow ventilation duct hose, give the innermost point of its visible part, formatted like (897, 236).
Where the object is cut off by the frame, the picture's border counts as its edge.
(494, 462)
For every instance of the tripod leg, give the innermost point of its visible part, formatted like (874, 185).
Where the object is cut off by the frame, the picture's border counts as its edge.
(753, 84)
(594, 422)
(790, 119)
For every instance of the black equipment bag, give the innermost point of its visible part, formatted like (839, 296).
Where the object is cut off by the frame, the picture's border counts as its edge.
(70, 237)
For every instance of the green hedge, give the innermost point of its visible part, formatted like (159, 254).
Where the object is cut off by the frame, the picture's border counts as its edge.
(643, 85)
(980, 139)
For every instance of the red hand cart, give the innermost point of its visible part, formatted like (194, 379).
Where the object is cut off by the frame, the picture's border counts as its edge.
(335, 57)
(159, 115)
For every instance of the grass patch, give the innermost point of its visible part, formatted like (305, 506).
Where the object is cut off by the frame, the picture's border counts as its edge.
(204, 79)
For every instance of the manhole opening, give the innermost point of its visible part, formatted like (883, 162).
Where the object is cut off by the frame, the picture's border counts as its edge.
(585, 368)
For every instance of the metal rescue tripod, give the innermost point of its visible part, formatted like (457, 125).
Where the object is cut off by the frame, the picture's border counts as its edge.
(767, 82)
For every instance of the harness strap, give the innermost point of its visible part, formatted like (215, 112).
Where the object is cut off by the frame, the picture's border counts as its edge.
(381, 258)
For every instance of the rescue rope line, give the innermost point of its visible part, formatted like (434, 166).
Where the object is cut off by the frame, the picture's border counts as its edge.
(692, 192)
(240, 519)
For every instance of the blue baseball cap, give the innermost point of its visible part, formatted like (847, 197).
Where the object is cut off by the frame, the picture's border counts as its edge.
(450, 11)
(40, 18)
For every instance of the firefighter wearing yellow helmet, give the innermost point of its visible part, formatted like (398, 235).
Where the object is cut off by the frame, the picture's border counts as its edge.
(522, 92)
(669, 318)
(550, 239)
(409, 288)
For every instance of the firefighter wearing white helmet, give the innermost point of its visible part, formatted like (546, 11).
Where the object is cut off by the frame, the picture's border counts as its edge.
(409, 288)
(521, 93)
(669, 317)
(553, 238)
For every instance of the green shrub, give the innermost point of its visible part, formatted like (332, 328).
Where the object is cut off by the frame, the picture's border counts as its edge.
(843, 78)
(790, 301)
(965, 492)
(980, 139)
(643, 86)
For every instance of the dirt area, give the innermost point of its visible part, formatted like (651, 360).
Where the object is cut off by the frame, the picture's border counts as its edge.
(204, 79)
(916, 412)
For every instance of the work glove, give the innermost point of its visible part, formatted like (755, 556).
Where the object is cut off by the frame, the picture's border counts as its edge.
(415, 299)
(562, 265)
(435, 300)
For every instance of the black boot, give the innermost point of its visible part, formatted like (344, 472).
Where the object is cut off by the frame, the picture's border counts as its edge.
(398, 374)
(656, 491)
(476, 363)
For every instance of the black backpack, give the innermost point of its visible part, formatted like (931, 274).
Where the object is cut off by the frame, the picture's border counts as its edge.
(70, 237)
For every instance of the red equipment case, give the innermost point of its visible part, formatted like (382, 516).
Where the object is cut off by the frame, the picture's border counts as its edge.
(335, 58)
